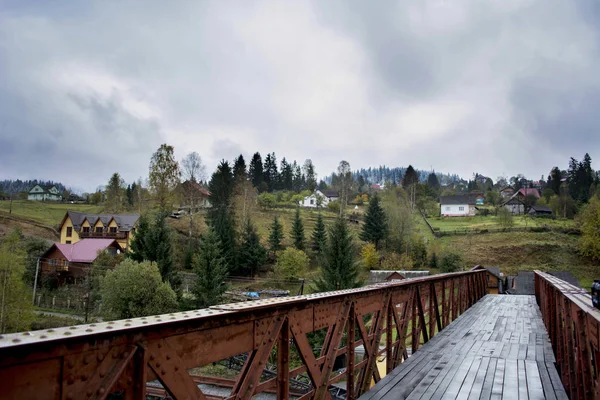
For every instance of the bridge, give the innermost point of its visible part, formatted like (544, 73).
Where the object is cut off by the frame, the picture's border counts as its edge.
(440, 336)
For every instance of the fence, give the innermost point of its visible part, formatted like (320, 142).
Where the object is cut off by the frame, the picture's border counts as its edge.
(574, 326)
(174, 354)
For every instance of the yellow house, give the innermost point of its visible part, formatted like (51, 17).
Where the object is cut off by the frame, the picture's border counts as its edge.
(76, 226)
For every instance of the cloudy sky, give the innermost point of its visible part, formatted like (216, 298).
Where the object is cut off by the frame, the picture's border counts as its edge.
(500, 87)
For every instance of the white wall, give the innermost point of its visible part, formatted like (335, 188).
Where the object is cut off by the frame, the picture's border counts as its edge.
(457, 210)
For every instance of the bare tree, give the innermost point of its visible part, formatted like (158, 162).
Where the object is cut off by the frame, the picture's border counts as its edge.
(193, 168)
(345, 179)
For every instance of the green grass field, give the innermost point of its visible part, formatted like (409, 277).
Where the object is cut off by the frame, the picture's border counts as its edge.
(450, 224)
(47, 213)
(514, 251)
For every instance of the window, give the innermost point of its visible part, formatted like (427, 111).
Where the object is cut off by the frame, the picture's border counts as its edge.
(68, 242)
(113, 229)
(86, 229)
(98, 229)
(312, 202)
(69, 231)
(447, 208)
(461, 209)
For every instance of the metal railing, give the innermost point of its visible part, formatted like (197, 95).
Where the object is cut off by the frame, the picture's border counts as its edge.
(176, 354)
(574, 326)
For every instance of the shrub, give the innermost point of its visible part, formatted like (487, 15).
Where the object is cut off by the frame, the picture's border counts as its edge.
(395, 261)
(451, 262)
(370, 257)
(334, 206)
(266, 200)
(291, 264)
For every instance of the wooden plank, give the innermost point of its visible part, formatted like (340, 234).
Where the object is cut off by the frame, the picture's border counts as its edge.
(469, 380)
(486, 390)
(498, 385)
(546, 383)
(535, 390)
(522, 379)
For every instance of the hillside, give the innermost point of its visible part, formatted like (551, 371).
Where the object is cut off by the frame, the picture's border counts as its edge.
(46, 213)
(513, 251)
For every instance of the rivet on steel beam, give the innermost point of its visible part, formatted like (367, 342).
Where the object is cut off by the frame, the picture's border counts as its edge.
(70, 396)
(100, 357)
(159, 345)
(102, 374)
(157, 365)
(83, 378)
(71, 379)
(101, 391)
(129, 381)
(89, 393)
(168, 357)
(162, 371)
(151, 357)
(70, 364)
(86, 359)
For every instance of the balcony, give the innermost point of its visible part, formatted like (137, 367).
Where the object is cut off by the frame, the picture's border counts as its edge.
(103, 235)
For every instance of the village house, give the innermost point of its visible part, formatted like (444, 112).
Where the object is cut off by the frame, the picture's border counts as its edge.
(524, 192)
(70, 263)
(193, 196)
(461, 205)
(495, 279)
(540, 211)
(514, 205)
(507, 192)
(319, 198)
(76, 226)
(47, 193)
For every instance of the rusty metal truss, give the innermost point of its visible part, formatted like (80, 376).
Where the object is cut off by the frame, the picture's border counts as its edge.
(167, 355)
(573, 325)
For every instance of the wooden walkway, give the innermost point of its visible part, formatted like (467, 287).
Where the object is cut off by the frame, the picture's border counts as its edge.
(498, 348)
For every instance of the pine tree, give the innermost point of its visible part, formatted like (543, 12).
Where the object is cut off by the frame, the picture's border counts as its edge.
(276, 236)
(286, 175)
(255, 170)
(239, 168)
(410, 177)
(141, 241)
(375, 228)
(319, 236)
(252, 254)
(162, 244)
(298, 231)
(211, 270)
(220, 215)
(339, 269)
(433, 182)
(270, 173)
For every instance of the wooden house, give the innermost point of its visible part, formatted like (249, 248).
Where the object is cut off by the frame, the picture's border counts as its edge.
(495, 283)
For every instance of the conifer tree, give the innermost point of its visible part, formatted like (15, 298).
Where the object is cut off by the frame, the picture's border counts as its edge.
(220, 215)
(141, 240)
(319, 236)
(252, 254)
(239, 168)
(375, 228)
(339, 270)
(298, 231)
(162, 244)
(276, 236)
(255, 170)
(211, 270)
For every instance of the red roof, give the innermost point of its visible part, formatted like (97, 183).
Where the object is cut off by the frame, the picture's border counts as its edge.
(527, 191)
(84, 251)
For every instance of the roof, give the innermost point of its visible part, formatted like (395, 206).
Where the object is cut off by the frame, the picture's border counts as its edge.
(513, 200)
(458, 199)
(493, 270)
(330, 193)
(528, 191)
(192, 185)
(508, 188)
(84, 251)
(525, 281)
(541, 209)
(566, 276)
(124, 221)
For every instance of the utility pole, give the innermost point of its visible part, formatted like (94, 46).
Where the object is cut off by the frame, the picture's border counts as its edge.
(37, 269)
